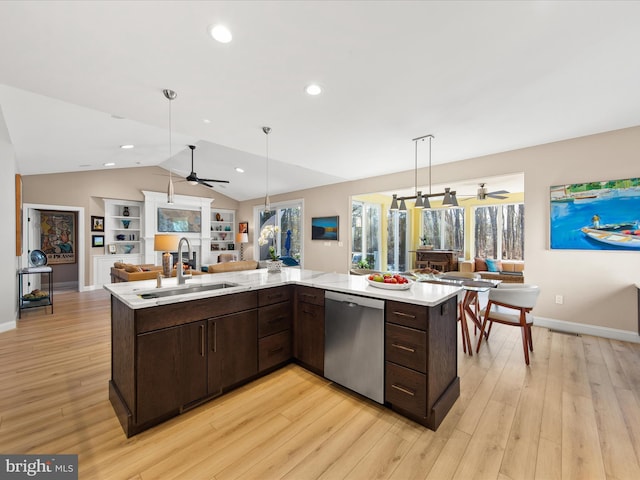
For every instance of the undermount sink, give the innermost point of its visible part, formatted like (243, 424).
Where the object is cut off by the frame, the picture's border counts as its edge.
(188, 289)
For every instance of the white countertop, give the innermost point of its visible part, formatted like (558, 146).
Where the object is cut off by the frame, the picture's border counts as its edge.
(426, 294)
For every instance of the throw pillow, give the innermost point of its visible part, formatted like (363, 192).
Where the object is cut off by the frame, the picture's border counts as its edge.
(494, 265)
(481, 265)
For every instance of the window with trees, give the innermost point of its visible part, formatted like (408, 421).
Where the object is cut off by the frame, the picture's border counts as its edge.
(288, 220)
(397, 241)
(443, 228)
(499, 231)
(365, 235)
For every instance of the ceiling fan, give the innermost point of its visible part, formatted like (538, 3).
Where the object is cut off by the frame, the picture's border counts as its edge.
(483, 193)
(193, 176)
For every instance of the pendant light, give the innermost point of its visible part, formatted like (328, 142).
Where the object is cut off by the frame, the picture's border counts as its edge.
(267, 203)
(422, 200)
(170, 95)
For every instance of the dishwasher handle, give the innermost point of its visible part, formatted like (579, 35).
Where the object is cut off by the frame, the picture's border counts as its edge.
(354, 300)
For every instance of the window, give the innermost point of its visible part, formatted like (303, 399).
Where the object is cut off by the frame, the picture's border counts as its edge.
(444, 228)
(499, 231)
(288, 218)
(397, 242)
(365, 234)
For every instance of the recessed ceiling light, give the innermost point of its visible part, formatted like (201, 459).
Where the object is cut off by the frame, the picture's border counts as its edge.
(220, 33)
(206, 120)
(239, 170)
(313, 89)
(109, 164)
(127, 147)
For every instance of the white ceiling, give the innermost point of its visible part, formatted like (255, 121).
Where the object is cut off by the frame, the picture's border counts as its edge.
(483, 77)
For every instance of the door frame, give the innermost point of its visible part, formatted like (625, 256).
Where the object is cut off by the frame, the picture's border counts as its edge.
(80, 247)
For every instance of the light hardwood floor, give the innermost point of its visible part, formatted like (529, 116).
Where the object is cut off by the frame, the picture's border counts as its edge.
(573, 414)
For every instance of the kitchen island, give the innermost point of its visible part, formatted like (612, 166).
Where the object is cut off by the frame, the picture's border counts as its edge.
(178, 346)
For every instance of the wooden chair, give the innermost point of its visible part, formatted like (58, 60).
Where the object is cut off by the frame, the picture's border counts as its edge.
(520, 298)
(462, 317)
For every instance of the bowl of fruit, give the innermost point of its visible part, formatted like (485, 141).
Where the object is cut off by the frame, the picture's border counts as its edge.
(389, 281)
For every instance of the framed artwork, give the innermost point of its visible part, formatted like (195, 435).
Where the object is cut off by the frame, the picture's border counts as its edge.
(324, 228)
(599, 215)
(58, 236)
(112, 248)
(176, 220)
(215, 246)
(243, 227)
(97, 224)
(97, 240)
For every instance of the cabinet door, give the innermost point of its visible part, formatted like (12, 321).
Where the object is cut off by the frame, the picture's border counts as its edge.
(171, 370)
(233, 353)
(309, 336)
(158, 360)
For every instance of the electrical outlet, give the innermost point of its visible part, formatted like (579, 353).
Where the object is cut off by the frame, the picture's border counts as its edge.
(559, 299)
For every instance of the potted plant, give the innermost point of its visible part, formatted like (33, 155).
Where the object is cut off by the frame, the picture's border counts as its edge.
(269, 236)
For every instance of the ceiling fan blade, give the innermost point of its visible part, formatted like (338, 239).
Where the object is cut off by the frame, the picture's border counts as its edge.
(213, 180)
(497, 192)
(202, 182)
(500, 197)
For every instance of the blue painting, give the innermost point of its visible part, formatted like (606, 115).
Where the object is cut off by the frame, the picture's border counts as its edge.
(324, 228)
(596, 215)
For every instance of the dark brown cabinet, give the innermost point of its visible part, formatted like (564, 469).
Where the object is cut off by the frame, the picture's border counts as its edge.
(274, 327)
(171, 370)
(309, 328)
(233, 350)
(421, 379)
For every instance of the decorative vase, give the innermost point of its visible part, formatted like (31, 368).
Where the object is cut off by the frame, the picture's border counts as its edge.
(274, 266)
(125, 212)
(125, 223)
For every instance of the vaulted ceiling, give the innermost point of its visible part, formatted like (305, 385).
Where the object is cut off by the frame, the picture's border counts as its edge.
(79, 79)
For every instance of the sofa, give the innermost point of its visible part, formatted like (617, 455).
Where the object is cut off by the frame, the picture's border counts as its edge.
(127, 272)
(233, 266)
(509, 271)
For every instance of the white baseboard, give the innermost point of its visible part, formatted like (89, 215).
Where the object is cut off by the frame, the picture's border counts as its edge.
(581, 328)
(6, 326)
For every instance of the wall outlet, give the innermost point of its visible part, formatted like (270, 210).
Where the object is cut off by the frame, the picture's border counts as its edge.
(559, 299)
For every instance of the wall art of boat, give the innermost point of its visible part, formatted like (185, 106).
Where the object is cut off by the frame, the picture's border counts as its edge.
(625, 235)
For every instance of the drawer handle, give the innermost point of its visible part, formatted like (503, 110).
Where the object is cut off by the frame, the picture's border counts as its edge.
(401, 314)
(402, 347)
(202, 337)
(403, 390)
(275, 350)
(274, 295)
(306, 295)
(275, 320)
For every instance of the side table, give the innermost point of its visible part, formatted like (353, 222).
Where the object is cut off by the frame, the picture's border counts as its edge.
(24, 301)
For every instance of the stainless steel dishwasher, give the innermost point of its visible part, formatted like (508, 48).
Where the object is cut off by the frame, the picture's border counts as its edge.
(354, 343)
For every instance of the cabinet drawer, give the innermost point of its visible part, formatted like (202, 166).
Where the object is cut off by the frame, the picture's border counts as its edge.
(406, 389)
(414, 316)
(270, 296)
(311, 295)
(274, 318)
(274, 349)
(407, 347)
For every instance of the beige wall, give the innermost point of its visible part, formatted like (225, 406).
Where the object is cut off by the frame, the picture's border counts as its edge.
(88, 189)
(597, 286)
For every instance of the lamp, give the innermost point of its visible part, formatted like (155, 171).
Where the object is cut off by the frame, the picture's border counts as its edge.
(267, 203)
(422, 199)
(242, 238)
(170, 95)
(166, 243)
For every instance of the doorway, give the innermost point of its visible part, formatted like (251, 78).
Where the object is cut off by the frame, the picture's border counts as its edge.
(68, 276)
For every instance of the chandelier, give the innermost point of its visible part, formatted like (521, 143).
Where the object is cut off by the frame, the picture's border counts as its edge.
(422, 199)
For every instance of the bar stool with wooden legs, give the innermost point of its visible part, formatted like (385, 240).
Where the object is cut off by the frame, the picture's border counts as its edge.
(520, 298)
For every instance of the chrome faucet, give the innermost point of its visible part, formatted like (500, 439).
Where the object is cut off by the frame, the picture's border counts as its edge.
(182, 278)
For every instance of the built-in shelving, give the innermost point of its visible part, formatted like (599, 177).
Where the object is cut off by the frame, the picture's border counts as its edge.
(223, 230)
(123, 227)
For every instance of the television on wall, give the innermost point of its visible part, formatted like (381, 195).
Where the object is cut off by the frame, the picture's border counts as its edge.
(324, 228)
